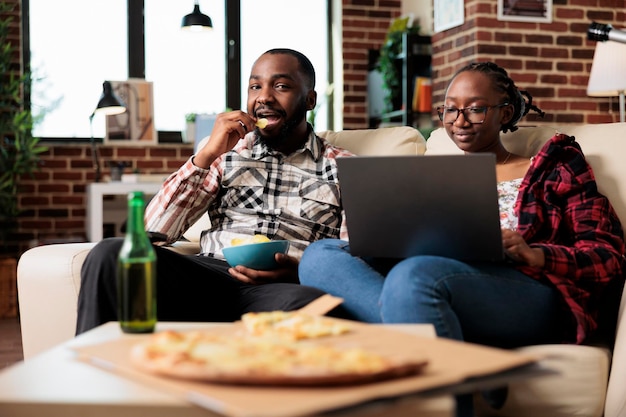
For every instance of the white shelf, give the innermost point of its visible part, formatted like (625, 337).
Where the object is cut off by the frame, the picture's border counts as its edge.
(95, 206)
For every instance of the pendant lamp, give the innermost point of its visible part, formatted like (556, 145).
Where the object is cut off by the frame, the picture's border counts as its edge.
(196, 20)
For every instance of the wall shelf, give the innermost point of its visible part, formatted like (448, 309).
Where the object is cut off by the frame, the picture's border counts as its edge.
(414, 61)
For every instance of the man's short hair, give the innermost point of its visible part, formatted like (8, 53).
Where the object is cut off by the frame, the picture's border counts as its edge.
(305, 64)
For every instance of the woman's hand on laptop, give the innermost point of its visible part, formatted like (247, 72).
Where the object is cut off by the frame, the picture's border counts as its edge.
(517, 249)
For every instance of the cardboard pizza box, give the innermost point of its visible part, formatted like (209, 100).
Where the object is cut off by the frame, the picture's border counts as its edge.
(451, 365)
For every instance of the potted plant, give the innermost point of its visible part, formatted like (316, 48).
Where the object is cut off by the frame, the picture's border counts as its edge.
(19, 150)
(189, 134)
(389, 53)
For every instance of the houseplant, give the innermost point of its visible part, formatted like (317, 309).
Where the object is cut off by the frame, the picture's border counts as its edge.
(389, 53)
(189, 134)
(19, 150)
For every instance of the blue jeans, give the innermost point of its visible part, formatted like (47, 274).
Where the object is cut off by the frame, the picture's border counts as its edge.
(490, 304)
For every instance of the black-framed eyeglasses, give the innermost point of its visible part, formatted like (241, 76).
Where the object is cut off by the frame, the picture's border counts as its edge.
(474, 114)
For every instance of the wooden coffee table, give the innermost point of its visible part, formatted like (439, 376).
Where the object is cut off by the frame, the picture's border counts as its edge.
(55, 384)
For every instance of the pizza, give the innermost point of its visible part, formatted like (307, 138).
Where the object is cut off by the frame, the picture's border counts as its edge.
(248, 360)
(270, 348)
(292, 325)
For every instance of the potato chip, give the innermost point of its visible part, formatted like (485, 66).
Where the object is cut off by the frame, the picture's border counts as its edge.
(248, 240)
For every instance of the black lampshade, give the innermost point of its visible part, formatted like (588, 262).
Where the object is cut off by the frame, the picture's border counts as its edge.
(598, 32)
(109, 102)
(196, 20)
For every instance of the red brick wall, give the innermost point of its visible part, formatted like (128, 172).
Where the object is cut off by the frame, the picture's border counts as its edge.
(54, 201)
(550, 60)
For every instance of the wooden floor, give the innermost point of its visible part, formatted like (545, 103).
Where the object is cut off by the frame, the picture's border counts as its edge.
(10, 342)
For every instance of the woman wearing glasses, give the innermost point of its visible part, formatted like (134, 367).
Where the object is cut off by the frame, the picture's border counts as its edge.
(563, 238)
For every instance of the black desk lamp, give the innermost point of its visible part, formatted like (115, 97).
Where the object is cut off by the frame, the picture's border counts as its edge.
(196, 20)
(109, 104)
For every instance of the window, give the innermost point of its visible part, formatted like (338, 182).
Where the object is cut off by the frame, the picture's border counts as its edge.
(187, 68)
(72, 57)
(276, 24)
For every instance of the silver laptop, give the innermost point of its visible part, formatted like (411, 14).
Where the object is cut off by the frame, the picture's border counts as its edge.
(400, 206)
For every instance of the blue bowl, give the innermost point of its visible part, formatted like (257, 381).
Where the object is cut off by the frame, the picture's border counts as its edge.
(258, 256)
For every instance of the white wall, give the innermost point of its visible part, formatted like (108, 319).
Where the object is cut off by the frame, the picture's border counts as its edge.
(421, 10)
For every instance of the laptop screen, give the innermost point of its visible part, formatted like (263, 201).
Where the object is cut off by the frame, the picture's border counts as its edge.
(401, 206)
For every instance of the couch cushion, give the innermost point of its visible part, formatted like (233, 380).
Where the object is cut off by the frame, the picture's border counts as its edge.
(578, 388)
(399, 140)
(615, 404)
(193, 233)
(525, 141)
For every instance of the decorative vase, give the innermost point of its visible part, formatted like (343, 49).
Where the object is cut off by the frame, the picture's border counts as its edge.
(190, 132)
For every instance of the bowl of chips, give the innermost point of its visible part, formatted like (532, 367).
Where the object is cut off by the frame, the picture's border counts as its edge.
(256, 252)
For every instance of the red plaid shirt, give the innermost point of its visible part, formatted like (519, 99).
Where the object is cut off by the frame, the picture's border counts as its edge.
(561, 211)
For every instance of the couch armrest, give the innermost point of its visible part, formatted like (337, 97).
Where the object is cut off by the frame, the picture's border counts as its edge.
(48, 279)
(578, 389)
(615, 399)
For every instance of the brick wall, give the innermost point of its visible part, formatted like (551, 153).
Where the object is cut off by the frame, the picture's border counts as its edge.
(54, 201)
(550, 60)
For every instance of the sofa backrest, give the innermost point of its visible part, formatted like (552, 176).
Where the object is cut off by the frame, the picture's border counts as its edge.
(400, 140)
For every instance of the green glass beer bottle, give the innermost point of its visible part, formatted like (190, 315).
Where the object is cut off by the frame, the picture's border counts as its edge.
(136, 273)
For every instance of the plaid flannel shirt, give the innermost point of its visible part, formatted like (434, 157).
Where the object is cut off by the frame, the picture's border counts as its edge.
(255, 190)
(561, 211)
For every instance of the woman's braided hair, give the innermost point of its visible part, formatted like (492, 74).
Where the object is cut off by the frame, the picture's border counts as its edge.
(522, 101)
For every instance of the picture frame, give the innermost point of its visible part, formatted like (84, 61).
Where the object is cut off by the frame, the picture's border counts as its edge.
(525, 11)
(136, 125)
(448, 14)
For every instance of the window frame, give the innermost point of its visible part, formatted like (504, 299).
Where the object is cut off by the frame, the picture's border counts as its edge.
(137, 62)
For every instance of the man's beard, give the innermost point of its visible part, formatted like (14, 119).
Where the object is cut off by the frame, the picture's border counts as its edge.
(285, 134)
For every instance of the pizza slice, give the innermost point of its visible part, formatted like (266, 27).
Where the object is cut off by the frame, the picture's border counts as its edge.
(292, 325)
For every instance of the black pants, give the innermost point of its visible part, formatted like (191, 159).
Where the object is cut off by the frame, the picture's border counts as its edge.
(189, 288)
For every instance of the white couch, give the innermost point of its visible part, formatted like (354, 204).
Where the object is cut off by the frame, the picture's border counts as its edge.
(591, 380)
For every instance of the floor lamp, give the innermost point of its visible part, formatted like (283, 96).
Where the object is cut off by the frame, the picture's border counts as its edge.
(109, 104)
(608, 73)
